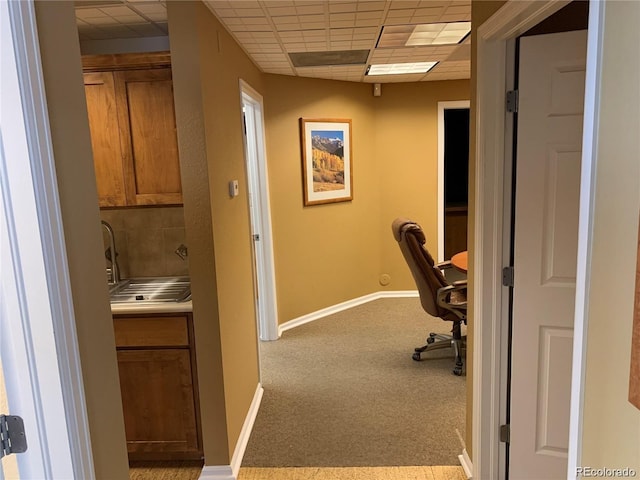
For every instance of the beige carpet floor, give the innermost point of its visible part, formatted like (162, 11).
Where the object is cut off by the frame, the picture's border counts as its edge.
(343, 391)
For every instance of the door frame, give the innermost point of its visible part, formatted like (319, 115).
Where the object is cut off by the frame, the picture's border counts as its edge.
(492, 184)
(442, 106)
(260, 211)
(40, 353)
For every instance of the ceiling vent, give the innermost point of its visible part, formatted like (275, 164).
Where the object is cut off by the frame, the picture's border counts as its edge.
(321, 59)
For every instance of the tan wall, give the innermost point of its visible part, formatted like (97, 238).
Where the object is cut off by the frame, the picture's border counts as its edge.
(611, 435)
(331, 253)
(324, 254)
(223, 64)
(407, 150)
(207, 66)
(79, 204)
(480, 12)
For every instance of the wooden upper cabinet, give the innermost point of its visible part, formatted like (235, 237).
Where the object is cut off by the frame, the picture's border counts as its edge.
(105, 138)
(133, 130)
(148, 132)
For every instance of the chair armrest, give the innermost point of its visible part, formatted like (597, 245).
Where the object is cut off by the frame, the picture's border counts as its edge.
(444, 293)
(444, 265)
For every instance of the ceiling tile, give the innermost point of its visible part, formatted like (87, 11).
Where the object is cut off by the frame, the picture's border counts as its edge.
(116, 11)
(309, 9)
(311, 19)
(342, 16)
(438, 3)
(106, 20)
(283, 20)
(249, 12)
(377, 15)
(291, 34)
(452, 18)
(127, 19)
(219, 4)
(281, 11)
(265, 27)
(226, 12)
(157, 17)
(150, 7)
(288, 26)
(89, 13)
(400, 13)
(463, 11)
(370, 6)
(343, 7)
(314, 33)
(254, 21)
(399, 4)
(343, 23)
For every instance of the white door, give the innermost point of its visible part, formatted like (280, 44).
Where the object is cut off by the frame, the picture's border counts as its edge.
(258, 184)
(549, 139)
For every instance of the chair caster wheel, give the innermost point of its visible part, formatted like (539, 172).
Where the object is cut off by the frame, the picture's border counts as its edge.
(416, 356)
(430, 340)
(457, 371)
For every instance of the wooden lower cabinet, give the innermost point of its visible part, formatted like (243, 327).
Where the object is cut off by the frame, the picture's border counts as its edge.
(158, 382)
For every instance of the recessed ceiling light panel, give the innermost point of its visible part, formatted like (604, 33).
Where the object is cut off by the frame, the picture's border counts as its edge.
(424, 34)
(400, 68)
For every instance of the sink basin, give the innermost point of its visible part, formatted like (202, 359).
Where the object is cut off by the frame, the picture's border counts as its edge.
(151, 289)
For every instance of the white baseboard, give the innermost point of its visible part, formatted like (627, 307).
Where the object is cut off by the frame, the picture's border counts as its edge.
(218, 472)
(230, 472)
(245, 433)
(467, 466)
(310, 317)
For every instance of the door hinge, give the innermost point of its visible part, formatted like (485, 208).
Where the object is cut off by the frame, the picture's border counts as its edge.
(512, 101)
(12, 436)
(508, 276)
(505, 433)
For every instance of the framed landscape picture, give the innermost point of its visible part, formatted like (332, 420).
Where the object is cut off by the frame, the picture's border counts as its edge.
(327, 168)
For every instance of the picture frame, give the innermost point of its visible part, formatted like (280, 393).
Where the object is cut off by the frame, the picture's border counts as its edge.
(327, 163)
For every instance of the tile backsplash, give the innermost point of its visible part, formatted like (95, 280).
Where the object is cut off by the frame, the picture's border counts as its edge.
(146, 240)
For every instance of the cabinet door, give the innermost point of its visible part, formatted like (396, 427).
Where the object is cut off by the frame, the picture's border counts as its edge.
(148, 131)
(158, 403)
(105, 138)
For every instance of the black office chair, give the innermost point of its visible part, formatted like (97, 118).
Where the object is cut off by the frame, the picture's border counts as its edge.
(438, 297)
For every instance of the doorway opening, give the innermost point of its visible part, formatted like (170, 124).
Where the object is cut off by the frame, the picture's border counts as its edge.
(453, 177)
(260, 213)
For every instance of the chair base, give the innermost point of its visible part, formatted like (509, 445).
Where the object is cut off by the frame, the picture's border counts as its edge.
(438, 341)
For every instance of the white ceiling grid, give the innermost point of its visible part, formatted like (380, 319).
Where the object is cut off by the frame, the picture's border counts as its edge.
(268, 30)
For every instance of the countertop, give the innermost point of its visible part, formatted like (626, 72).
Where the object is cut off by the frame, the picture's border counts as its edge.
(150, 307)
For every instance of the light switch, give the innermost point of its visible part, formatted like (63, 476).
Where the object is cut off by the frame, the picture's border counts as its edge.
(233, 188)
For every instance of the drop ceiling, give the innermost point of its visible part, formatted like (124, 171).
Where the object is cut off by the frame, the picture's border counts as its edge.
(270, 30)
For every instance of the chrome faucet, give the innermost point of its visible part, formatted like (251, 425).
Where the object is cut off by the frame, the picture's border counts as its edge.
(113, 276)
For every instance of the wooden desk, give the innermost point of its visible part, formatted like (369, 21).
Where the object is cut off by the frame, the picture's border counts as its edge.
(459, 261)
